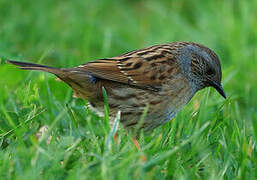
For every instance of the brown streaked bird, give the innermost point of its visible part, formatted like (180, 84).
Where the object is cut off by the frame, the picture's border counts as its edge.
(163, 77)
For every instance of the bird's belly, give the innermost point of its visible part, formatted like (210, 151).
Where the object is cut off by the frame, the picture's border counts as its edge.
(132, 102)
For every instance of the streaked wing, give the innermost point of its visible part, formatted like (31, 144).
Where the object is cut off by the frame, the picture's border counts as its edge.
(147, 67)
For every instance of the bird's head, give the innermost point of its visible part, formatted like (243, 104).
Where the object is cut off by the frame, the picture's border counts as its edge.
(205, 68)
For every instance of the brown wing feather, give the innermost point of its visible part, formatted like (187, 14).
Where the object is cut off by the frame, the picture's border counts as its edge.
(105, 69)
(146, 67)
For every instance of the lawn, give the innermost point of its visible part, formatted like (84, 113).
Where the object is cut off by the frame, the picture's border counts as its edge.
(211, 138)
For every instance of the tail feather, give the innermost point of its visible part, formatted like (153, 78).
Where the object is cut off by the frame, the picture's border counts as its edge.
(32, 66)
(79, 80)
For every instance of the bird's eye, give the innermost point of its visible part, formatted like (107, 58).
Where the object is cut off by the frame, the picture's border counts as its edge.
(210, 71)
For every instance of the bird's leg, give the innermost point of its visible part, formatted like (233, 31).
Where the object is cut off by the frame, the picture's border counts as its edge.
(143, 157)
(115, 138)
(136, 143)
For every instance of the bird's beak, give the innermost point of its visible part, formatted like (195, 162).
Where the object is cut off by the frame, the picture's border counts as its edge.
(219, 88)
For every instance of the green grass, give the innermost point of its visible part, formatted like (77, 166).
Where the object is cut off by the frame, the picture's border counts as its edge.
(211, 138)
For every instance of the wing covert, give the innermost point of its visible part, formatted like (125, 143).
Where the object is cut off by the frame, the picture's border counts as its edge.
(151, 70)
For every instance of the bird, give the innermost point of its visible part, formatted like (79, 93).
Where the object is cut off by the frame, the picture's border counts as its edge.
(162, 78)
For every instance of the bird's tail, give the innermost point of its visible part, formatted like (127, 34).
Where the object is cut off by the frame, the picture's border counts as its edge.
(37, 67)
(79, 80)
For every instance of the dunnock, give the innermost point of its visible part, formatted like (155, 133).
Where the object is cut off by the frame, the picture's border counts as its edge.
(163, 77)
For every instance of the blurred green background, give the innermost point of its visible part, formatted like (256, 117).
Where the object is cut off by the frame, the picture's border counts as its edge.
(66, 33)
